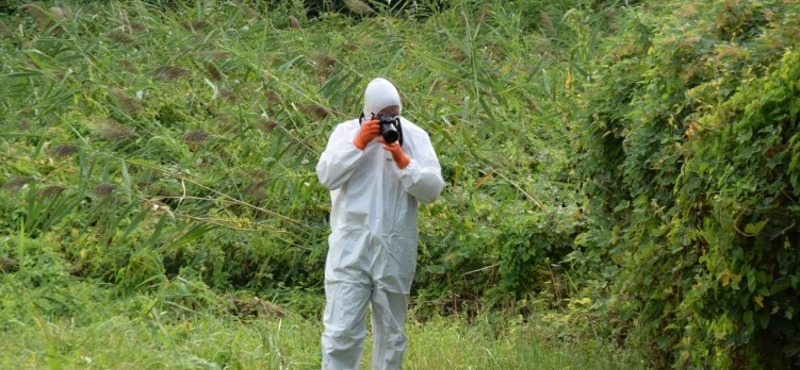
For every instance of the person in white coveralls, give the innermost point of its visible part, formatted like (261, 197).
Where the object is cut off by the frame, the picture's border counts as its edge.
(376, 186)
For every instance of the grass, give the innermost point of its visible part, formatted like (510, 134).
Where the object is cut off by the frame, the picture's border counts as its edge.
(108, 332)
(157, 174)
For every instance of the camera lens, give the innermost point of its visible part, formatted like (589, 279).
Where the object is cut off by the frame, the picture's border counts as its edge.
(388, 129)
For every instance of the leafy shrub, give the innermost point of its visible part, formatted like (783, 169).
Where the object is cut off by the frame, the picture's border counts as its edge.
(686, 148)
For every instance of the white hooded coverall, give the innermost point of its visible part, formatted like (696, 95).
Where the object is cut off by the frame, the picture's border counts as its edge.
(373, 242)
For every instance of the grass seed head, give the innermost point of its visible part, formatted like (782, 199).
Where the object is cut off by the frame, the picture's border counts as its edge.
(272, 97)
(213, 72)
(104, 190)
(51, 191)
(195, 25)
(256, 189)
(127, 103)
(266, 125)
(59, 13)
(294, 23)
(4, 30)
(359, 7)
(62, 151)
(483, 12)
(41, 17)
(250, 12)
(215, 55)
(195, 136)
(128, 66)
(546, 21)
(349, 46)
(8, 264)
(134, 26)
(316, 110)
(257, 174)
(229, 95)
(171, 72)
(16, 183)
(324, 60)
(137, 27)
(110, 129)
(122, 37)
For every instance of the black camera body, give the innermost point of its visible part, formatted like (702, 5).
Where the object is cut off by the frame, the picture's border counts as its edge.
(390, 128)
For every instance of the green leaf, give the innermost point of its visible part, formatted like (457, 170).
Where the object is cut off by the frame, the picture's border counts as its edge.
(754, 229)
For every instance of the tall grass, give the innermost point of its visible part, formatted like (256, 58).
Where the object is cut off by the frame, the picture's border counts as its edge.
(168, 157)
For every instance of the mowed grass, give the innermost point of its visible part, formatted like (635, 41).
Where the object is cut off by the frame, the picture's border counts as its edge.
(121, 333)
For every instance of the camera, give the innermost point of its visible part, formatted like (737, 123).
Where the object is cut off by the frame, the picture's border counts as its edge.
(389, 128)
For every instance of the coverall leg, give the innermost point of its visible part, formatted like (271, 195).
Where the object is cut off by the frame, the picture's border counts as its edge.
(345, 324)
(388, 318)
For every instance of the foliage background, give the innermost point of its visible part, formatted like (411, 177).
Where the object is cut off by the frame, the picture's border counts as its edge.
(626, 170)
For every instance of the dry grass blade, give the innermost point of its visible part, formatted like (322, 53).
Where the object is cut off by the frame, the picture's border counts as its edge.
(546, 20)
(195, 136)
(213, 71)
(294, 23)
(110, 129)
(42, 18)
(171, 72)
(128, 66)
(359, 7)
(127, 103)
(316, 110)
(16, 184)
(104, 190)
(62, 151)
(122, 37)
(266, 125)
(51, 191)
(250, 12)
(195, 25)
(257, 308)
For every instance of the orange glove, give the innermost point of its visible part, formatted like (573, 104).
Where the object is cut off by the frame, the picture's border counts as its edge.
(369, 131)
(400, 158)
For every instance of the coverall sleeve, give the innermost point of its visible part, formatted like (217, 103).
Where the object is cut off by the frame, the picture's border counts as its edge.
(339, 160)
(422, 178)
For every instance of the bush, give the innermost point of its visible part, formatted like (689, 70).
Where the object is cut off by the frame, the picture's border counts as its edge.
(687, 146)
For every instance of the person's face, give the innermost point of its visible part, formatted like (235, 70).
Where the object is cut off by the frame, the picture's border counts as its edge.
(392, 110)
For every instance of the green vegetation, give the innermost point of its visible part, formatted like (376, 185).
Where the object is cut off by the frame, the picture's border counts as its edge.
(622, 179)
(160, 331)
